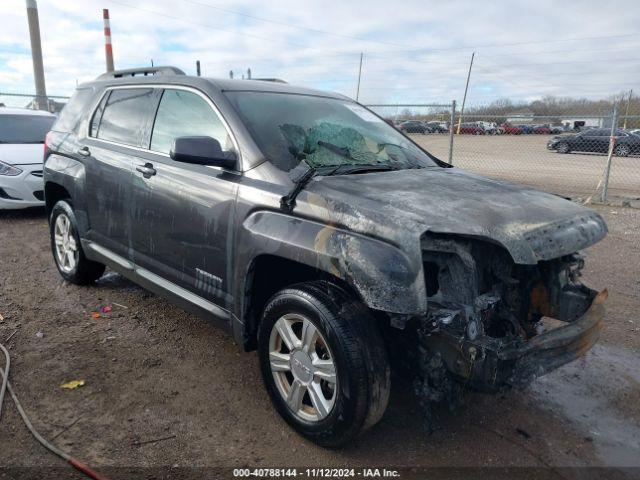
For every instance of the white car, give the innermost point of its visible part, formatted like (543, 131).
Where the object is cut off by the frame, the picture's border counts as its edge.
(22, 133)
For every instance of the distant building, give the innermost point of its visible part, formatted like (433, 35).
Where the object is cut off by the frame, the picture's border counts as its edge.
(578, 123)
(523, 116)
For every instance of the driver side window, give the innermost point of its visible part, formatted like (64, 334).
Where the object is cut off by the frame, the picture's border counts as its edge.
(182, 113)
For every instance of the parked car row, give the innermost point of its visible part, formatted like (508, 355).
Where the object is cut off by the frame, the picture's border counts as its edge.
(477, 128)
(492, 128)
(419, 126)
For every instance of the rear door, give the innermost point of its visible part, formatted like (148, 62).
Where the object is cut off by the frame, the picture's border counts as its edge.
(183, 215)
(110, 150)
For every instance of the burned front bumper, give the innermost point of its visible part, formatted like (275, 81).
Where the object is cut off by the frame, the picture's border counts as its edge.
(489, 364)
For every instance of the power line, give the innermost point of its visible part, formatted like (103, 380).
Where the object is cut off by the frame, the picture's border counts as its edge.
(204, 25)
(299, 27)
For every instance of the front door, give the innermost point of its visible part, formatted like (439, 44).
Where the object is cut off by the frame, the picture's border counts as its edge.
(183, 215)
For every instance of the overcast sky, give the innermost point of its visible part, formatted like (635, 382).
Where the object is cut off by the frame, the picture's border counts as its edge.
(414, 51)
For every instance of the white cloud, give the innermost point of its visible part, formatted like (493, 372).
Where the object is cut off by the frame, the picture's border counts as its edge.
(416, 51)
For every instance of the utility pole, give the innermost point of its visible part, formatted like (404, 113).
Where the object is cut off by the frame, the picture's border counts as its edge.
(359, 77)
(248, 74)
(198, 67)
(36, 54)
(466, 87)
(626, 110)
(108, 49)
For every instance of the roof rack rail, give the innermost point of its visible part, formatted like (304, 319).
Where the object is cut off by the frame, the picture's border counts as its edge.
(276, 80)
(141, 72)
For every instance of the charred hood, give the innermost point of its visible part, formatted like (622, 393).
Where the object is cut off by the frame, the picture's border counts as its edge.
(400, 206)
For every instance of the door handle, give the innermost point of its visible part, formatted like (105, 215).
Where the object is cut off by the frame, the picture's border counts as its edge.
(84, 151)
(146, 170)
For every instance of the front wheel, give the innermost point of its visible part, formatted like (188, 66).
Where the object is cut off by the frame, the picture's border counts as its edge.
(323, 362)
(67, 251)
(563, 147)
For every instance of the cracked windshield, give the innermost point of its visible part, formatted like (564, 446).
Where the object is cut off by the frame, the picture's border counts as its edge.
(325, 132)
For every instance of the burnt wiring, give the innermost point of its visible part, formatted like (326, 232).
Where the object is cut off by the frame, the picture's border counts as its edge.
(6, 386)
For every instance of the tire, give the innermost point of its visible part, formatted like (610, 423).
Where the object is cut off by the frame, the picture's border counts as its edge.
(348, 338)
(67, 251)
(622, 151)
(563, 147)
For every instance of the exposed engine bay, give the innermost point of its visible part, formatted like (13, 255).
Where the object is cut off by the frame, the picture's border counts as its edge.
(493, 324)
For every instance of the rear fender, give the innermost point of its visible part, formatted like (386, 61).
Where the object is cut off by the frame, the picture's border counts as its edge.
(69, 174)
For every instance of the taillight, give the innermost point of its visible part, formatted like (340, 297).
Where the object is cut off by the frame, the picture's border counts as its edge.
(47, 141)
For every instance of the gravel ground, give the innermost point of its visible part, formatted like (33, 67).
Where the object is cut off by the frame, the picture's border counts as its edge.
(155, 372)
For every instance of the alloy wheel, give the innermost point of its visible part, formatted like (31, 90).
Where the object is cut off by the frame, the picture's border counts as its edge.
(303, 367)
(622, 151)
(66, 247)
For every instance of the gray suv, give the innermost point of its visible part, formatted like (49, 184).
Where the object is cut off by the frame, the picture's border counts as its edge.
(321, 236)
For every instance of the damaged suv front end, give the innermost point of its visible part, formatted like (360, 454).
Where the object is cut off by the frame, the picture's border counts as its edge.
(497, 300)
(490, 320)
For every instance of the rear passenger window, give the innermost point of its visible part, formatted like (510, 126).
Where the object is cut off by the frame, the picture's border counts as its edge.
(181, 114)
(124, 115)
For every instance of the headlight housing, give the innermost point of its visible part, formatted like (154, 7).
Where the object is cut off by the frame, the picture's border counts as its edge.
(9, 170)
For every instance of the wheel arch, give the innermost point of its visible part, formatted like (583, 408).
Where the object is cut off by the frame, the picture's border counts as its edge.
(53, 193)
(266, 275)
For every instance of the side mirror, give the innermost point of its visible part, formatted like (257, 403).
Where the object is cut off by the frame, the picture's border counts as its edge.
(202, 151)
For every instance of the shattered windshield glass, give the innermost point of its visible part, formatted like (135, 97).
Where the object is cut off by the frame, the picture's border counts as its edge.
(324, 132)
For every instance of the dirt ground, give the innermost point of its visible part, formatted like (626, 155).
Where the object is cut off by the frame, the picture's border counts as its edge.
(157, 374)
(525, 159)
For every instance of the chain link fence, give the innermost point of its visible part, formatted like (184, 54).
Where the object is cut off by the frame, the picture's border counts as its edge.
(51, 103)
(588, 155)
(591, 156)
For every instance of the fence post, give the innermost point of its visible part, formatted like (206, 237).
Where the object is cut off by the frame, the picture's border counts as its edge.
(607, 171)
(451, 127)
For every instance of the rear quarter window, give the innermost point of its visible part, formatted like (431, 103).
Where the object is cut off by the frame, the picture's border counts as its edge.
(73, 110)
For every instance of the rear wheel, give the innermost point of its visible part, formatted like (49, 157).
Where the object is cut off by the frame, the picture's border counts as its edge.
(622, 151)
(67, 251)
(323, 362)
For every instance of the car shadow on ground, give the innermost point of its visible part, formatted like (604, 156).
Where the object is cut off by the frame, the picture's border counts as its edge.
(23, 214)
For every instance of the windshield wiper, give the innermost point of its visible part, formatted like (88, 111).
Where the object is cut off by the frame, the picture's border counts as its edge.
(332, 147)
(301, 176)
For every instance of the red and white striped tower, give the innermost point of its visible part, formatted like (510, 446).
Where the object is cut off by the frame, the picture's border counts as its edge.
(108, 49)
